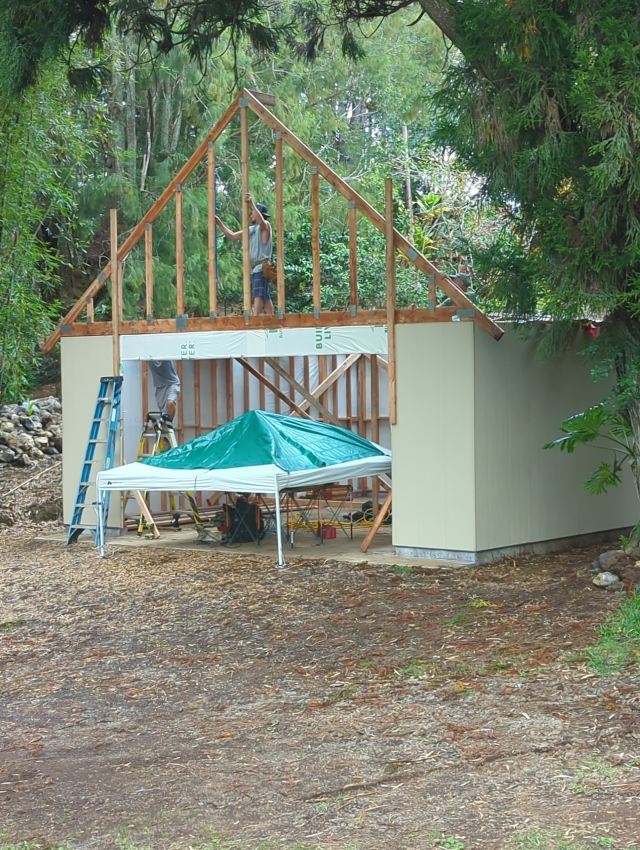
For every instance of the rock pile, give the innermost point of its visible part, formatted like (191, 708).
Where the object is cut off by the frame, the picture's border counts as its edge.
(617, 569)
(30, 432)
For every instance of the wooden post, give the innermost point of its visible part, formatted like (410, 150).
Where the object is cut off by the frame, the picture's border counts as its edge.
(179, 254)
(280, 226)
(145, 390)
(362, 408)
(391, 298)
(244, 156)
(262, 387)
(196, 392)
(315, 238)
(376, 523)
(334, 366)
(246, 398)
(375, 425)
(353, 256)
(148, 268)
(115, 292)
(230, 406)
(322, 376)
(180, 427)
(211, 186)
(213, 364)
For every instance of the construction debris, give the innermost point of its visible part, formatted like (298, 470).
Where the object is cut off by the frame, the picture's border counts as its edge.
(30, 432)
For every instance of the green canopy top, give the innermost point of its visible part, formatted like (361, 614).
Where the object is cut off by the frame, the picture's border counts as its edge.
(258, 438)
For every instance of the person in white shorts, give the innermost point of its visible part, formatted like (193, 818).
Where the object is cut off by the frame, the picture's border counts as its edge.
(167, 386)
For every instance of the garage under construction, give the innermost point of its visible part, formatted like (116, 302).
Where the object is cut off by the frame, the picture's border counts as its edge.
(464, 418)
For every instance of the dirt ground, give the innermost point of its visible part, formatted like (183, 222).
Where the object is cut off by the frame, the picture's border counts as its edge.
(179, 700)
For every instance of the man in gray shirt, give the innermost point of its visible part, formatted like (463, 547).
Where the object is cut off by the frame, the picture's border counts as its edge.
(260, 248)
(167, 386)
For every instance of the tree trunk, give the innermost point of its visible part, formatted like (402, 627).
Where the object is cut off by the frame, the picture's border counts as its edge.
(115, 108)
(131, 110)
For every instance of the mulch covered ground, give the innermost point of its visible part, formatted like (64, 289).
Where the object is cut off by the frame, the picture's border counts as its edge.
(174, 697)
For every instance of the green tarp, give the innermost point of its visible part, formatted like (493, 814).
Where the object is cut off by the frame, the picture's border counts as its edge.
(258, 438)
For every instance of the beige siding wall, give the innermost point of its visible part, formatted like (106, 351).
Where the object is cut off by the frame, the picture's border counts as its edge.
(433, 443)
(84, 361)
(523, 493)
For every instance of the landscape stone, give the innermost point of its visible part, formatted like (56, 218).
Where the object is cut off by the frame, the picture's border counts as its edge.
(606, 580)
(610, 559)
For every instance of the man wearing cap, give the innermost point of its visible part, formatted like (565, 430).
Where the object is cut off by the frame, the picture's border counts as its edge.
(260, 248)
(167, 386)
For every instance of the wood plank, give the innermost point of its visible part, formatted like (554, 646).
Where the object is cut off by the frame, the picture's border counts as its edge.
(148, 268)
(380, 361)
(179, 254)
(323, 372)
(331, 379)
(335, 399)
(375, 426)
(264, 97)
(362, 408)
(278, 393)
(146, 513)
(315, 236)
(213, 365)
(292, 372)
(401, 243)
(196, 394)
(292, 320)
(180, 370)
(362, 397)
(229, 388)
(246, 390)
(134, 237)
(353, 255)
(197, 415)
(145, 390)
(391, 298)
(280, 226)
(244, 165)
(262, 387)
(211, 231)
(304, 392)
(278, 401)
(377, 522)
(115, 292)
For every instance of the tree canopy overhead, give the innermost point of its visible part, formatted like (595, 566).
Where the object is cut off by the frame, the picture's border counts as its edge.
(540, 99)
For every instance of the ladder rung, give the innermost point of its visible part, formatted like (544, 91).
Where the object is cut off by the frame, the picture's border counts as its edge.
(97, 441)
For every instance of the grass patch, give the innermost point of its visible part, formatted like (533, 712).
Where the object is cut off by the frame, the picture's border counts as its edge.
(415, 669)
(12, 624)
(400, 570)
(538, 839)
(619, 641)
(458, 621)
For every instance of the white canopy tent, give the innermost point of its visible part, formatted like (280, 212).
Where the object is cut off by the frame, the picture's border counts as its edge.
(266, 478)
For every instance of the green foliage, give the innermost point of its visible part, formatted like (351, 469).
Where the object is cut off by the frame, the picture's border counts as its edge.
(44, 147)
(619, 639)
(603, 428)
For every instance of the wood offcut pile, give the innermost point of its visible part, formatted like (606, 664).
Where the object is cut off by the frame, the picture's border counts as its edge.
(30, 432)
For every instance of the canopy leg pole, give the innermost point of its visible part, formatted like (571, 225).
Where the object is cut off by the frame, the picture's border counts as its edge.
(279, 529)
(100, 520)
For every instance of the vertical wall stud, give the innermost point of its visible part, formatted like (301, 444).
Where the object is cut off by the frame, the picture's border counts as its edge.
(315, 238)
(280, 226)
(211, 190)
(391, 298)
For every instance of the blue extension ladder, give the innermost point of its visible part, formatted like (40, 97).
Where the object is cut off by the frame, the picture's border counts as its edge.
(107, 413)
